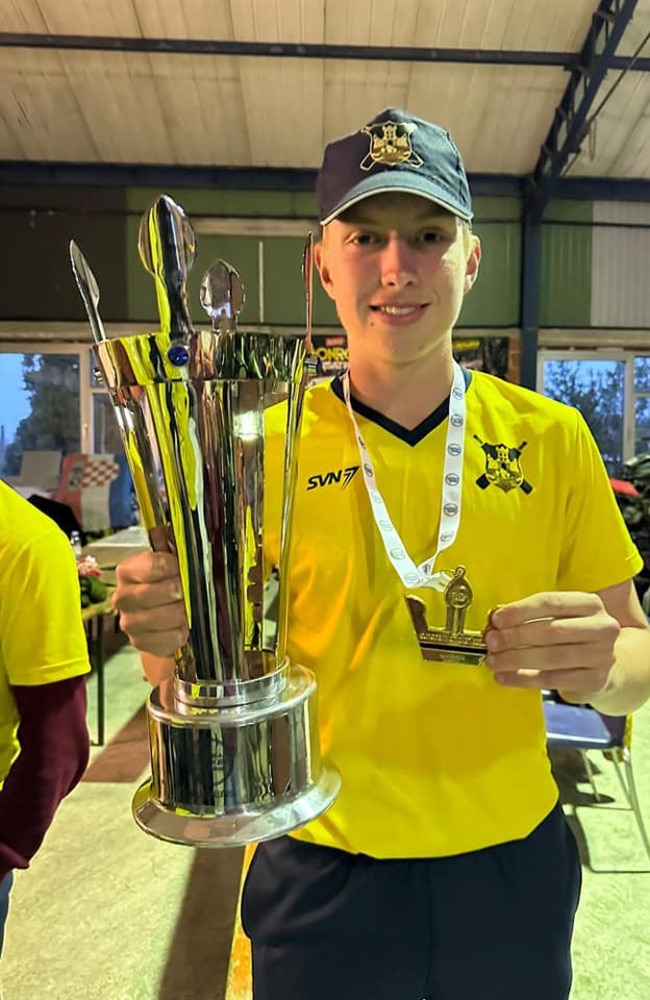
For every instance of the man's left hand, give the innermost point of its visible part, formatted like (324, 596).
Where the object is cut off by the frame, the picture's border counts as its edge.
(557, 640)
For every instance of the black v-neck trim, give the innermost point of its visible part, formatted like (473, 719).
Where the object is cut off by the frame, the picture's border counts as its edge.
(412, 436)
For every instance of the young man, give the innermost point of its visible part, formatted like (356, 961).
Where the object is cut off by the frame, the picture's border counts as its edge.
(43, 659)
(445, 868)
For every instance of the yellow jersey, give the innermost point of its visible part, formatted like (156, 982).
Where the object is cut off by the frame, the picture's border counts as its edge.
(42, 638)
(436, 759)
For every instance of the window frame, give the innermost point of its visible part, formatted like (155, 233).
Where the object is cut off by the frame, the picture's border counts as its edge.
(83, 352)
(627, 356)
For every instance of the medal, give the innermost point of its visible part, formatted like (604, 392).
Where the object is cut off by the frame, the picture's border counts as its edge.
(453, 643)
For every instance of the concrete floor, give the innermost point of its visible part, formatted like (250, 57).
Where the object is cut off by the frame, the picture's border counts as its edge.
(108, 913)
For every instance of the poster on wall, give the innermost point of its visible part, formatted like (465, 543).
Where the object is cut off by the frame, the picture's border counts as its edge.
(484, 354)
(332, 353)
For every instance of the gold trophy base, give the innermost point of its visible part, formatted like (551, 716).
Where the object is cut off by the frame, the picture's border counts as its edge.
(226, 777)
(445, 647)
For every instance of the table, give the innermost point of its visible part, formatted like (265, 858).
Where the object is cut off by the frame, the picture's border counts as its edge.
(29, 491)
(108, 552)
(112, 549)
(93, 619)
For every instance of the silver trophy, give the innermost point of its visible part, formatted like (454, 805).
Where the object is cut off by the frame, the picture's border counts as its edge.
(234, 739)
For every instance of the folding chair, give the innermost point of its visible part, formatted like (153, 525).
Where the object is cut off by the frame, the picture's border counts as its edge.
(583, 728)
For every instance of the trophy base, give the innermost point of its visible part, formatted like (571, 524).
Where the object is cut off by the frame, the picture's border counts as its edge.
(439, 651)
(234, 830)
(226, 777)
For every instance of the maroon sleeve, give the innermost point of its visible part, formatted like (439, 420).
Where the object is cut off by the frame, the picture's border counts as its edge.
(54, 746)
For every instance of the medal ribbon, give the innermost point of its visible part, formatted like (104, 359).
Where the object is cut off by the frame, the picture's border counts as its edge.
(452, 484)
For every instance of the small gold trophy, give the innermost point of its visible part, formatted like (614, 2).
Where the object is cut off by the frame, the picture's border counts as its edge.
(453, 643)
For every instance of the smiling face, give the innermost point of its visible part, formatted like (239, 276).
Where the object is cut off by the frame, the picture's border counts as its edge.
(397, 266)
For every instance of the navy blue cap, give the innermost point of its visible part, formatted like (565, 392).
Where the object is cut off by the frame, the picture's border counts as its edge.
(393, 152)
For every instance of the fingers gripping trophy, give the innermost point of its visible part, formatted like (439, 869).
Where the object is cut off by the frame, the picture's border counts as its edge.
(235, 750)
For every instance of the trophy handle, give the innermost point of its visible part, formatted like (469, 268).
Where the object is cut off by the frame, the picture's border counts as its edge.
(161, 538)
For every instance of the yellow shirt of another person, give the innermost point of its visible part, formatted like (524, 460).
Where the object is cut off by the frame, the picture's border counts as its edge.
(436, 759)
(42, 638)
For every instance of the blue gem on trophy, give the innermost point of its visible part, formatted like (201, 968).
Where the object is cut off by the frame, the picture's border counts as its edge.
(178, 355)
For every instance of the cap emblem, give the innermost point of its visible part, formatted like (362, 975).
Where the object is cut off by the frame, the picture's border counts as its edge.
(390, 144)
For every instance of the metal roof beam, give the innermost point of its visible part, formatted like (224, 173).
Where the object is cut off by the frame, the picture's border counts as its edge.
(569, 125)
(217, 177)
(565, 137)
(159, 176)
(384, 53)
(603, 189)
(287, 179)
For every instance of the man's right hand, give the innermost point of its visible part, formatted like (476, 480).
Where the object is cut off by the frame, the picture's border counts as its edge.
(149, 599)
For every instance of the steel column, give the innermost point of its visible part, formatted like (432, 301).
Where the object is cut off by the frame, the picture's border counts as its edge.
(569, 129)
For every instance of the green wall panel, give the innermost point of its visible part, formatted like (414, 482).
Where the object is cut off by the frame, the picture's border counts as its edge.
(37, 223)
(284, 291)
(324, 308)
(240, 251)
(41, 219)
(494, 299)
(566, 265)
(249, 204)
(282, 204)
(493, 302)
(559, 210)
(489, 209)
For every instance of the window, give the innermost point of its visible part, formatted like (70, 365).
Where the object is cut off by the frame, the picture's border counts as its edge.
(612, 391)
(39, 405)
(105, 430)
(51, 400)
(641, 404)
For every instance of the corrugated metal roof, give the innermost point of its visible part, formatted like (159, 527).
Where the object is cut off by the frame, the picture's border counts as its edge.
(498, 24)
(163, 107)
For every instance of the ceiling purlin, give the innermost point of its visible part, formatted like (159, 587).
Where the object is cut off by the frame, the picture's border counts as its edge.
(292, 50)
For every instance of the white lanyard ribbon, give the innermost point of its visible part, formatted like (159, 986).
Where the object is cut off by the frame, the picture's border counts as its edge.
(452, 485)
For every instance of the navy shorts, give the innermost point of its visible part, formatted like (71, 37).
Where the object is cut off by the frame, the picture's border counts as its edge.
(494, 924)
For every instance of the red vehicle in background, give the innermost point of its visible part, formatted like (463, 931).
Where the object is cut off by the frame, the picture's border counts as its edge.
(632, 490)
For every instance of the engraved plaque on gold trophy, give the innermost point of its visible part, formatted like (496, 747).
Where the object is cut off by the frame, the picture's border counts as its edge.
(453, 643)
